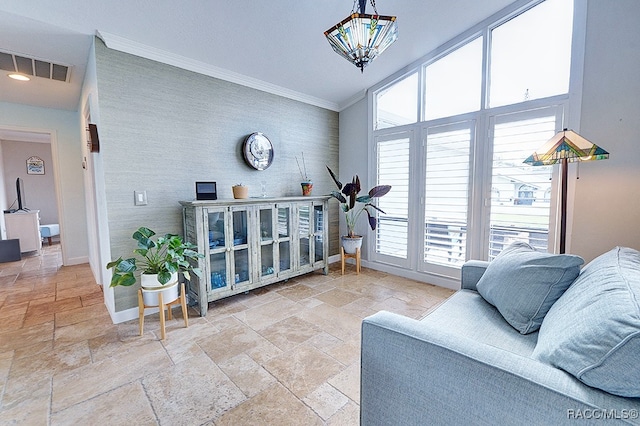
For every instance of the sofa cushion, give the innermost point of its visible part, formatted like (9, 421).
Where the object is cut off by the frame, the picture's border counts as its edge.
(523, 283)
(593, 330)
(467, 314)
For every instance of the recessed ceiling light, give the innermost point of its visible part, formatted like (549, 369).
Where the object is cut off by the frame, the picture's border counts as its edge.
(20, 77)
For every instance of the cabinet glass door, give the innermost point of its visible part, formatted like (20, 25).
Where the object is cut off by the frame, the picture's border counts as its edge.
(217, 249)
(267, 242)
(304, 232)
(240, 247)
(283, 227)
(318, 232)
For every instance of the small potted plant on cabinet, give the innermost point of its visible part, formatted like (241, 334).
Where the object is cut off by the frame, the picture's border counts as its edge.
(306, 183)
(240, 191)
(159, 262)
(354, 206)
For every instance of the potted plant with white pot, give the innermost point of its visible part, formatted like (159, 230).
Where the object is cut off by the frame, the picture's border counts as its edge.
(354, 205)
(159, 262)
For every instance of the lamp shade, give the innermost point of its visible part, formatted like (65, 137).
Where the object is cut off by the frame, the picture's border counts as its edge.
(568, 145)
(565, 147)
(360, 38)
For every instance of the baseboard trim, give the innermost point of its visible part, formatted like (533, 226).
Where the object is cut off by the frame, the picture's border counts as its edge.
(440, 281)
(75, 261)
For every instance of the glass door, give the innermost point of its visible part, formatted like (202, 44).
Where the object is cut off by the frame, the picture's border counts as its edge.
(283, 227)
(318, 233)
(394, 236)
(304, 235)
(267, 242)
(218, 267)
(239, 247)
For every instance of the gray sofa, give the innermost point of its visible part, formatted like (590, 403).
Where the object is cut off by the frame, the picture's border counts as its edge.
(464, 364)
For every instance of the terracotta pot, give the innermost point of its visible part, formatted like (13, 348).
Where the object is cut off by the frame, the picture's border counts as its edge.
(240, 192)
(351, 244)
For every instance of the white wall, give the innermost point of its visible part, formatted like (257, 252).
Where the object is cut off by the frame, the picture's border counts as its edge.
(97, 222)
(39, 190)
(353, 160)
(607, 205)
(66, 139)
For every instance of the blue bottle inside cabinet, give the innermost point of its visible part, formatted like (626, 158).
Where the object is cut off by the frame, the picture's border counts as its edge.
(218, 280)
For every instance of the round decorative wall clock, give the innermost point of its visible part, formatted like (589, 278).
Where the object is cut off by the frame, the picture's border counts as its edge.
(257, 151)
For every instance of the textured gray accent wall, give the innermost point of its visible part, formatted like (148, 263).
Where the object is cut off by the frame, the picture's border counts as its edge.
(162, 128)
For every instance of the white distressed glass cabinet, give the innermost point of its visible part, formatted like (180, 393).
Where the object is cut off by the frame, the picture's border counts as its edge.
(251, 243)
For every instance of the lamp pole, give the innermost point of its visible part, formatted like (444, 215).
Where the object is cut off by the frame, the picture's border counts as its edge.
(563, 204)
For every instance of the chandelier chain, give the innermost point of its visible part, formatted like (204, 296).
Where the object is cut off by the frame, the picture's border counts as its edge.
(373, 4)
(356, 7)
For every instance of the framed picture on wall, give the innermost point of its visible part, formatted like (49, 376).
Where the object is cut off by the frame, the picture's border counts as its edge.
(35, 166)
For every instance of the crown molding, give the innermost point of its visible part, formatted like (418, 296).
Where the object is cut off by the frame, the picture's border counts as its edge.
(125, 45)
(353, 100)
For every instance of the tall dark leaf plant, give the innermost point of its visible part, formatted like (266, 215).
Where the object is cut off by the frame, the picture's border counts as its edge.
(164, 256)
(354, 205)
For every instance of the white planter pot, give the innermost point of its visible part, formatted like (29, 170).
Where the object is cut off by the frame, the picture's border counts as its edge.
(150, 281)
(169, 293)
(351, 244)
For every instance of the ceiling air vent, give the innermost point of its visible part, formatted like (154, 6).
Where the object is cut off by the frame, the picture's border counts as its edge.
(35, 67)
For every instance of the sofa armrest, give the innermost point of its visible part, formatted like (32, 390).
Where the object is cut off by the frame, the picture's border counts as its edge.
(414, 373)
(471, 272)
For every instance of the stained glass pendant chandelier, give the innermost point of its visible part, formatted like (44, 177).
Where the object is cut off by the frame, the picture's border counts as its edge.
(360, 38)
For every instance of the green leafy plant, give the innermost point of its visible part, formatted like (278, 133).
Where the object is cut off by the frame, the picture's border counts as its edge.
(348, 197)
(164, 256)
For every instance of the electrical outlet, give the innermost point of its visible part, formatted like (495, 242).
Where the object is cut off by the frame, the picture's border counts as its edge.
(140, 198)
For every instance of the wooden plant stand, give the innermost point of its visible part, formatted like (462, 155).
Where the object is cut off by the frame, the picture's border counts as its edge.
(180, 300)
(355, 256)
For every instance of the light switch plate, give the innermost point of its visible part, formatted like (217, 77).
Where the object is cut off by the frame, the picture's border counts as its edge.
(140, 198)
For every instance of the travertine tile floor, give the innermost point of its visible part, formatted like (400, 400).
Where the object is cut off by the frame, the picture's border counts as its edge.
(287, 354)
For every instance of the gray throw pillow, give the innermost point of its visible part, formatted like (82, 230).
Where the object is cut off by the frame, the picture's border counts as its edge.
(523, 283)
(593, 330)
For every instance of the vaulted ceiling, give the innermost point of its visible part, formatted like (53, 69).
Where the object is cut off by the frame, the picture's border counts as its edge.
(278, 44)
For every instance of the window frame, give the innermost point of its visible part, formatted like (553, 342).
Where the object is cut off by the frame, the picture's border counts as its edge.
(385, 135)
(481, 161)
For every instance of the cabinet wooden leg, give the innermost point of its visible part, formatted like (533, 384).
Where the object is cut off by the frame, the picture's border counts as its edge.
(342, 258)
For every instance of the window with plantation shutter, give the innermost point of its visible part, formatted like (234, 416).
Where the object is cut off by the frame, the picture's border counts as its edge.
(446, 195)
(484, 101)
(520, 201)
(393, 169)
